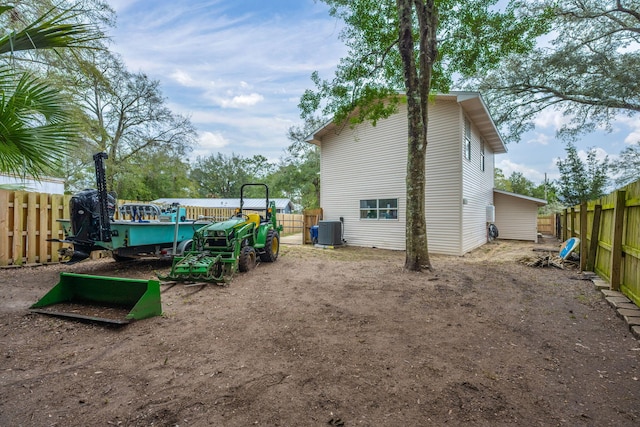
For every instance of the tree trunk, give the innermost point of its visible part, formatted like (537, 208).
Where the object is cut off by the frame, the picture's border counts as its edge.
(417, 83)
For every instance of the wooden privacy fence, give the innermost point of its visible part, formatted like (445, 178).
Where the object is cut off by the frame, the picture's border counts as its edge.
(609, 232)
(28, 220)
(547, 224)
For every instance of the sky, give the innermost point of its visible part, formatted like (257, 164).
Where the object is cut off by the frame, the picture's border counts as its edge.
(238, 69)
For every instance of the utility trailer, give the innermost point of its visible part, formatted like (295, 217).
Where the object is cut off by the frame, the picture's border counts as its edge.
(92, 227)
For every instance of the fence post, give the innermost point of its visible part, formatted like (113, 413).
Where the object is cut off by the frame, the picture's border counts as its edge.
(595, 237)
(583, 236)
(616, 244)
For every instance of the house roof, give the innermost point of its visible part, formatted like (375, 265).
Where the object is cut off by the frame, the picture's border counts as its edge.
(471, 102)
(538, 202)
(227, 203)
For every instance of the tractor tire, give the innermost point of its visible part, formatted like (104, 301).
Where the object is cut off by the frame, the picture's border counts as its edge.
(247, 259)
(271, 247)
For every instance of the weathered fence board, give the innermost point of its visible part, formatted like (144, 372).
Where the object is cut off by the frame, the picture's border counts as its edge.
(613, 228)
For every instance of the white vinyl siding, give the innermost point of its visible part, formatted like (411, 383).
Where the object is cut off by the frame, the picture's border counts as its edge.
(365, 163)
(477, 195)
(444, 178)
(516, 218)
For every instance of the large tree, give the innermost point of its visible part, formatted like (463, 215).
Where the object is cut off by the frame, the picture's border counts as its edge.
(581, 180)
(298, 175)
(589, 71)
(627, 168)
(125, 115)
(37, 127)
(415, 47)
(221, 176)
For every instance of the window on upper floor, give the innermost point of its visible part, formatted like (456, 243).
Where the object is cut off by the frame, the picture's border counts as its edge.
(467, 139)
(379, 209)
(482, 155)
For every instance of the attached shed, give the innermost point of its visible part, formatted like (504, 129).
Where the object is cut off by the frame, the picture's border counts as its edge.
(516, 215)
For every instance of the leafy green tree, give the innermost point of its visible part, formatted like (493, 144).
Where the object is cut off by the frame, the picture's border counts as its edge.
(125, 115)
(500, 181)
(590, 71)
(144, 180)
(220, 176)
(298, 175)
(627, 169)
(581, 181)
(520, 184)
(546, 191)
(415, 47)
(37, 127)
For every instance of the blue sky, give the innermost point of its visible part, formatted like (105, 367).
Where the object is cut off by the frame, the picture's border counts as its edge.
(238, 68)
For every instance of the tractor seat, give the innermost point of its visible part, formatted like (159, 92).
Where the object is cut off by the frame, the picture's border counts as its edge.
(255, 218)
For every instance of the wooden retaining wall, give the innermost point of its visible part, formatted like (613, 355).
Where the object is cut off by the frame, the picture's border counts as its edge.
(28, 220)
(609, 232)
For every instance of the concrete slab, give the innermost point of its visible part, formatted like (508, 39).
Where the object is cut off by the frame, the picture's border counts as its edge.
(292, 239)
(614, 301)
(632, 321)
(635, 330)
(628, 305)
(626, 312)
(600, 284)
(611, 293)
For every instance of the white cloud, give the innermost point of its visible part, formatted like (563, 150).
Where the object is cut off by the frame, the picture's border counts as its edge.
(240, 101)
(633, 127)
(539, 138)
(532, 174)
(209, 143)
(550, 118)
(183, 78)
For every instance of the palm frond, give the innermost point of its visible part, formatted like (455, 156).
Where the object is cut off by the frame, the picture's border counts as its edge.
(51, 30)
(35, 124)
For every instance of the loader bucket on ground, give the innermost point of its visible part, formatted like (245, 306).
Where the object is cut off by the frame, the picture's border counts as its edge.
(101, 299)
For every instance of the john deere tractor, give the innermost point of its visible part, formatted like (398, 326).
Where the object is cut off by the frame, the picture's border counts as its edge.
(221, 248)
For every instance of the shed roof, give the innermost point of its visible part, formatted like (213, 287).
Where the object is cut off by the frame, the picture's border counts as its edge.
(281, 204)
(538, 202)
(471, 102)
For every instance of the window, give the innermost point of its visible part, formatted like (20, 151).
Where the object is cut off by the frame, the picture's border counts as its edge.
(379, 209)
(482, 155)
(467, 139)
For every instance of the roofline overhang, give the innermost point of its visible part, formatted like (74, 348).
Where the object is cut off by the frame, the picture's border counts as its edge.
(537, 201)
(471, 102)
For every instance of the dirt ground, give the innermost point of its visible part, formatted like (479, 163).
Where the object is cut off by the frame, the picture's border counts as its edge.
(322, 337)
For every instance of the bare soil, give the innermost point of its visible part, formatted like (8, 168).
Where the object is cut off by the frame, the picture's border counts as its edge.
(328, 337)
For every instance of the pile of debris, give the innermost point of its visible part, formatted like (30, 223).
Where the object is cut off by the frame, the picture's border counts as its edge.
(551, 259)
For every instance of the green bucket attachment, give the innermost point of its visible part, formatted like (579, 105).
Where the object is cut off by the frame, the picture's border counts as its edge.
(101, 299)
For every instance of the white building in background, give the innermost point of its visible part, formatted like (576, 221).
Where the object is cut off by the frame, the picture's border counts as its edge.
(44, 185)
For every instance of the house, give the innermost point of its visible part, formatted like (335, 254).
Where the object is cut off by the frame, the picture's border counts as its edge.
(42, 185)
(282, 205)
(363, 170)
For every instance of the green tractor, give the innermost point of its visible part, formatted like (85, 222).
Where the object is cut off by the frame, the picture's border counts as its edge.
(221, 248)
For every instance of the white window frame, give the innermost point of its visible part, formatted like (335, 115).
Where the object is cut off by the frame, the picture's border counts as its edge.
(379, 209)
(467, 140)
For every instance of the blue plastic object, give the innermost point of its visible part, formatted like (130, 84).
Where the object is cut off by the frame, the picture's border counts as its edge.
(314, 233)
(569, 247)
